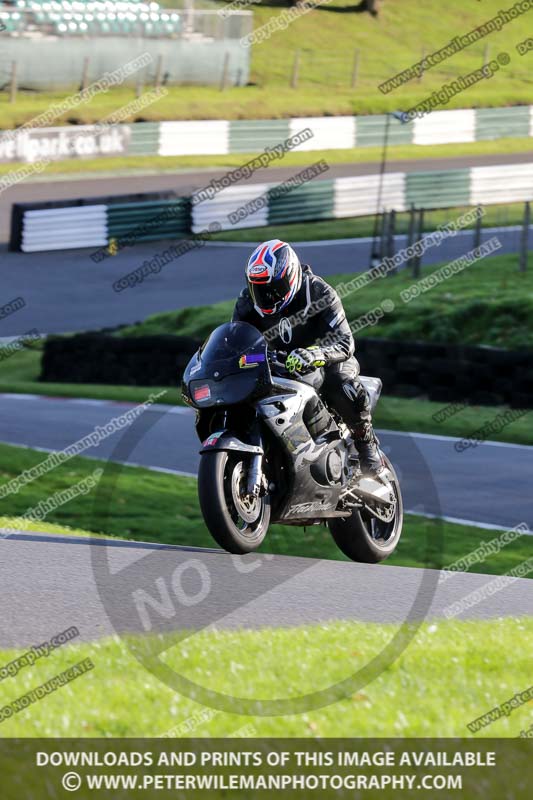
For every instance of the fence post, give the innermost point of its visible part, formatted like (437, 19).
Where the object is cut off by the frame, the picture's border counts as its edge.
(411, 233)
(477, 229)
(295, 70)
(486, 54)
(524, 239)
(84, 74)
(13, 83)
(355, 68)
(383, 234)
(158, 72)
(417, 260)
(225, 72)
(139, 87)
(391, 230)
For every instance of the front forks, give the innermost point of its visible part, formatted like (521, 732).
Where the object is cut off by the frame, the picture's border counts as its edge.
(255, 474)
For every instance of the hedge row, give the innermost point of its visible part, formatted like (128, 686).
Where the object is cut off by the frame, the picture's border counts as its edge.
(128, 361)
(445, 373)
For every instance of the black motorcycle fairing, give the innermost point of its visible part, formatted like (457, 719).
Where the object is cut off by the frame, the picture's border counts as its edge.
(229, 368)
(312, 495)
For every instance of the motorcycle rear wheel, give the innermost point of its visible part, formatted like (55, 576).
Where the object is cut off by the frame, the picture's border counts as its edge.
(362, 537)
(237, 523)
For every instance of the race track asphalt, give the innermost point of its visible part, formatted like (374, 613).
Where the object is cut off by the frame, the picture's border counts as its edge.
(488, 484)
(48, 586)
(50, 583)
(66, 291)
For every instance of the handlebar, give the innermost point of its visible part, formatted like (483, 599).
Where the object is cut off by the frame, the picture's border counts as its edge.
(279, 365)
(276, 359)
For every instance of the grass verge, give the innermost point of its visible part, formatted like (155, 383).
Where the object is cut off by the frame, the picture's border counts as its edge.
(455, 670)
(327, 39)
(354, 227)
(142, 505)
(360, 155)
(489, 303)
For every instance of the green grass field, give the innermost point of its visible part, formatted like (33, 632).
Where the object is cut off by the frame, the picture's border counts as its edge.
(451, 673)
(142, 505)
(134, 165)
(327, 39)
(353, 227)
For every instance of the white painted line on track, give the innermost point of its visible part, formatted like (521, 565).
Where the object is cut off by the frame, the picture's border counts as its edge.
(469, 522)
(450, 439)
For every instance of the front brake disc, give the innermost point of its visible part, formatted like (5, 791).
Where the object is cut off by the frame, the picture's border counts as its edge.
(247, 506)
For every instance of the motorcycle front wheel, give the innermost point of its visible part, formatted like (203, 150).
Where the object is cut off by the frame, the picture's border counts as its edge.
(236, 521)
(364, 538)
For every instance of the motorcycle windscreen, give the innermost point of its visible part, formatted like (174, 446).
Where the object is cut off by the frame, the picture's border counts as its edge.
(232, 366)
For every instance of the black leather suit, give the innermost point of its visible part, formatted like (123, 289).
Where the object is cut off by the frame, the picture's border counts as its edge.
(316, 316)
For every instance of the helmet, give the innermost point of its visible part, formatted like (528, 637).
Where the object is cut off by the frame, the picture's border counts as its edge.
(274, 275)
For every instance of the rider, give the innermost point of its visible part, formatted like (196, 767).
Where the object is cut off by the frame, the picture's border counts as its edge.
(297, 310)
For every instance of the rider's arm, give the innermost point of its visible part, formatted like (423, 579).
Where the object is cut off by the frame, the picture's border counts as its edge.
(337, 344)
(243, 307)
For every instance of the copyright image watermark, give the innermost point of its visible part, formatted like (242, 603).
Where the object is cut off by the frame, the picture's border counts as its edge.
(484, 551)
(19, 343)
(448, 270)
(44, 507)
(40, 692)
(489, 589)
(457, 44)
(56, 110)
(443, 95)
(36, 652)
(245, 171)
(155, 264)
(99, 434)
(280, 22)
(495, 425)
(262, 201)
(12, 307)
(503, 710)
(449, 411)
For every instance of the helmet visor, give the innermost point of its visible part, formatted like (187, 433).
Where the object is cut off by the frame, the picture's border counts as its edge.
(267, 296)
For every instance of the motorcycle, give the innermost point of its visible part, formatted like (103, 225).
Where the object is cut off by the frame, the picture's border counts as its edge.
(265, 459)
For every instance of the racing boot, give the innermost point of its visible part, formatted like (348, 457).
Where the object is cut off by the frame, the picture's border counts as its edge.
(367, 446)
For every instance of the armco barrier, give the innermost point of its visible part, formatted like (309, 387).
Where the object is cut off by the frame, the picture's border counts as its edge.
(450, 372)
(145, 222)
(70, 224)
(64, 228)
(222, 137)
(44, 226)
(314, 200)
(444, 373)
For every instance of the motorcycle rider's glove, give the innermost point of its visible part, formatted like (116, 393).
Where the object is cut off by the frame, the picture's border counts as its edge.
(305, 359)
